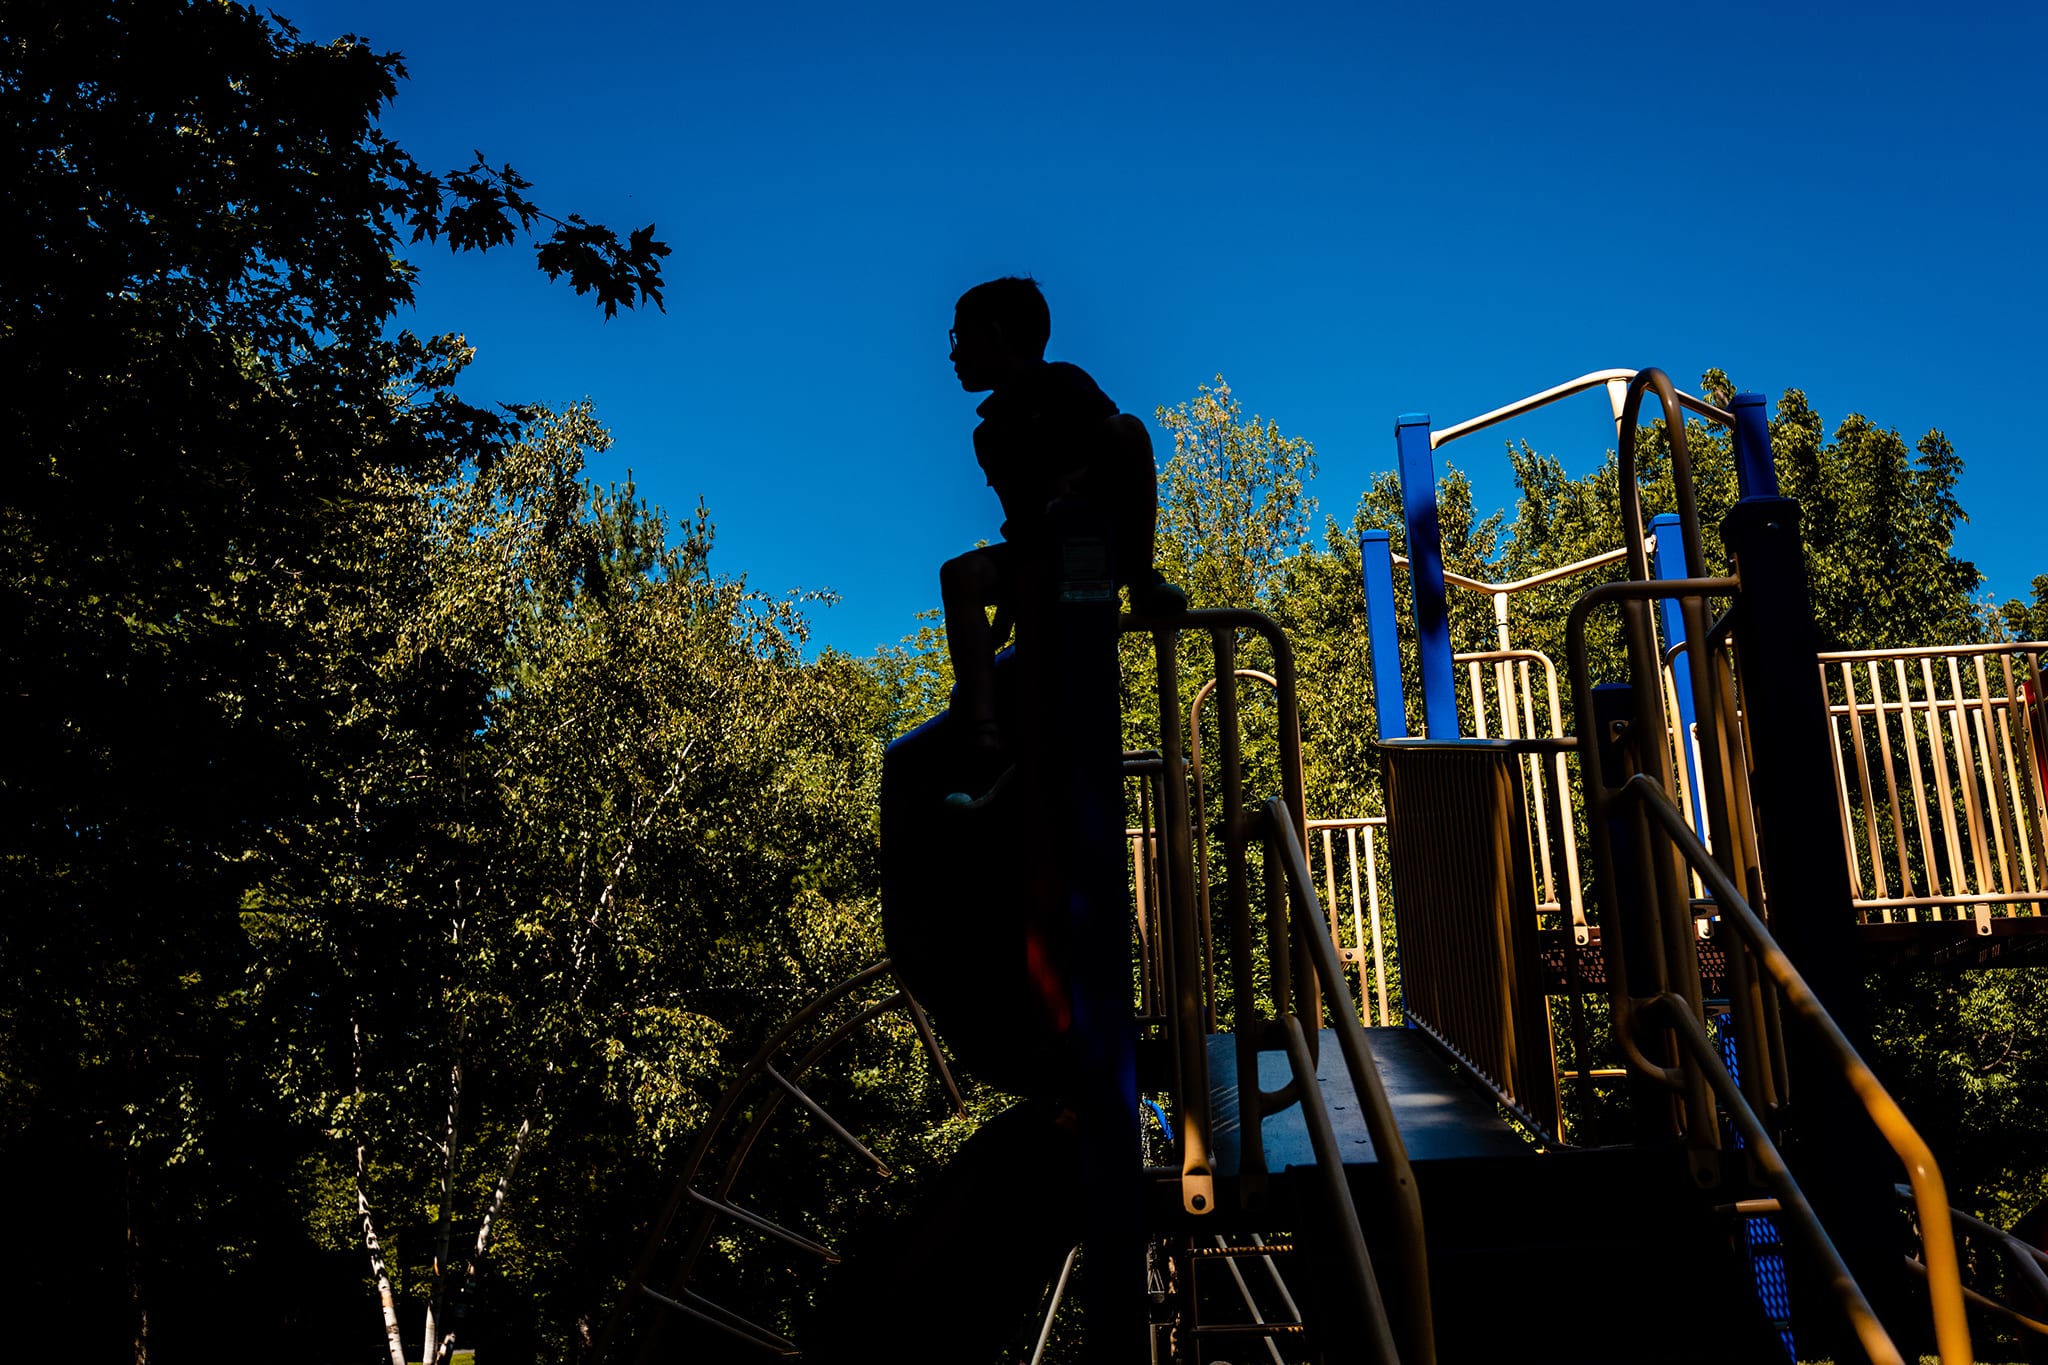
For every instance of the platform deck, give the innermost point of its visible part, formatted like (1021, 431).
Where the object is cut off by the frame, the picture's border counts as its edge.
(1442, 1114)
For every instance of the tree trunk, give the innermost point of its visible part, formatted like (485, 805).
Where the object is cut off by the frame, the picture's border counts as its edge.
(431, 1347)
(385, 1301)
(498, 1192)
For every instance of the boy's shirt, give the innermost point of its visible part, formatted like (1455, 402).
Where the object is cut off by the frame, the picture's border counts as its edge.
(1043, 435)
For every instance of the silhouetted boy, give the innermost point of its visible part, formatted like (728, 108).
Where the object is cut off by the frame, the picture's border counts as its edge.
(1046, 431)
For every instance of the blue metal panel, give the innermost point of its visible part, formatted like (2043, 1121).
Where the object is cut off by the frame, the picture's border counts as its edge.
(1426, 574)
(1756, 474)
(1382, 636)
(1667, 560)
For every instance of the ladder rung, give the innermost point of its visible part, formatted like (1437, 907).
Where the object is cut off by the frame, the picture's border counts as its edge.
(762, 1225)
(817, 1111)
(725, 1320)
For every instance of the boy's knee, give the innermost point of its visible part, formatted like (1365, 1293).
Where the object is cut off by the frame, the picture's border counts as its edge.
(968, 575)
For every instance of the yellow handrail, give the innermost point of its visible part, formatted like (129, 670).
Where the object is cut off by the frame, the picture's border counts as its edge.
(1930, 1199)
(1377, 1110)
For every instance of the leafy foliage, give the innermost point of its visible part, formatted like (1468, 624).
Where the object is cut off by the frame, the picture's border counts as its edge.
(398, 831)
(1233, 500)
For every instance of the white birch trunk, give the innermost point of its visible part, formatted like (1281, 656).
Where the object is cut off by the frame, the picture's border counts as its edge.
(504, 1185)
(431, 1347)
(385, 1301)
(578, 954)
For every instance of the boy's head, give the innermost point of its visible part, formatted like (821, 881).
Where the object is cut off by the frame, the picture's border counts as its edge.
(998, 327)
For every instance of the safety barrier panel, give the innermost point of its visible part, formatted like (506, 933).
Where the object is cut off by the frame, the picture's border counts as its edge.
(1471, 975)
(1938, 766)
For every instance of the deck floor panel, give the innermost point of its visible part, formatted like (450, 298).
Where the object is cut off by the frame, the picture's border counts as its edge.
(1442, 1114)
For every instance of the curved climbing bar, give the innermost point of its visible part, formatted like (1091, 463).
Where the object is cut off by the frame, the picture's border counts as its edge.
(1597, 379)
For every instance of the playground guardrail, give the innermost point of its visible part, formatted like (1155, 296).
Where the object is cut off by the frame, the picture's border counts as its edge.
(1956, 728)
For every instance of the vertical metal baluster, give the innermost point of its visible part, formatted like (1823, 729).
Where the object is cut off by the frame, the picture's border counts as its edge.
(1357, 923)
(1999, 815)
(1539, 798)
(1958, 874)
(1330, 887)
(2024, 829)
(1919, 784)
(1568, 819)
(1879, 885)
(1835, 740)
(1891, 784)
(1966, 773)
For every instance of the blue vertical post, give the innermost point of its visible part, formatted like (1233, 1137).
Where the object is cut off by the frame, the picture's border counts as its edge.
(1382, 636)
(1756, 475)
(1667, 560)
(1426, 574)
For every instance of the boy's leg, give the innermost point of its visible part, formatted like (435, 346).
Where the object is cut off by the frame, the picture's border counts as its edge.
(968, 585)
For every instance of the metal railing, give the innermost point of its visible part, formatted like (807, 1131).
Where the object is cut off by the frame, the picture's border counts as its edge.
(1938, 766)
(2026, 1264)
(1553, 832)
(1355, 863)
(1347, 854)
(1616, 382)
(1300, 953)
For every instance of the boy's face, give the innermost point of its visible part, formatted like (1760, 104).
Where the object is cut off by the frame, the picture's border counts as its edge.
(978, 352)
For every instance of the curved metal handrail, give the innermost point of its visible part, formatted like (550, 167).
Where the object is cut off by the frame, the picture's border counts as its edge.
(1597, 379)
(758, 1067)
(1614, 930)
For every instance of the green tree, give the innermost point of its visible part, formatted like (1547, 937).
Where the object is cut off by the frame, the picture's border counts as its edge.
(208, 234)
(2026, 620)
(1233, 499)
(627, 828)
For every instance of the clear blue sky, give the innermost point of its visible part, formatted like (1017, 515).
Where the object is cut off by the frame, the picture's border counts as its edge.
(1349, 211)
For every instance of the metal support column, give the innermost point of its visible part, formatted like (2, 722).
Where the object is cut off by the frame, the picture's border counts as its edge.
(1847, 1170)
(1086, 820)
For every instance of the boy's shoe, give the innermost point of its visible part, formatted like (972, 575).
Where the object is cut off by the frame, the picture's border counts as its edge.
(1152, 595)
(984, 759)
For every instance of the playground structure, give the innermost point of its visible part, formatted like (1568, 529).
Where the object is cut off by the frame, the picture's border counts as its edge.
(1688, 863)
